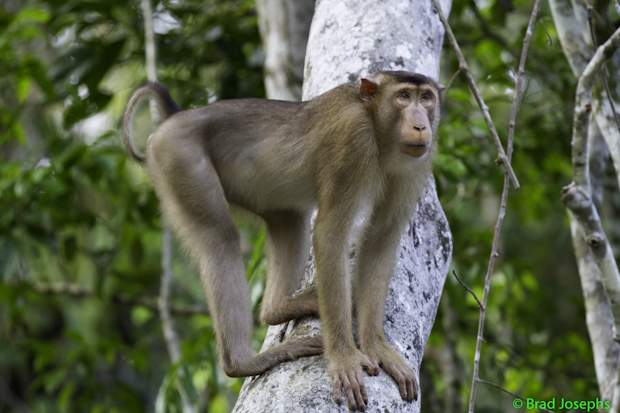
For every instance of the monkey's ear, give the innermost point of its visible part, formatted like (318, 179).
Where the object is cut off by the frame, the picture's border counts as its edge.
(368, 88)
(440, 87)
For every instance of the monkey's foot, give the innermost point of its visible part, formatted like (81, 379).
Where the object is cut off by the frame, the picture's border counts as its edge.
(302, 305)
(255, 364)
(346, 370)
(393, 363)
(307, 301)
(301, 347)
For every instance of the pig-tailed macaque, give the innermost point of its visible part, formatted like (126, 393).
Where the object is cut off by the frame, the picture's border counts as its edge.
(359, 145)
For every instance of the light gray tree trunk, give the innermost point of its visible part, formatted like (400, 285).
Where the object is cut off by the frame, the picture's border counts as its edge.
(284, 26)
(350, 39)
(574, 36)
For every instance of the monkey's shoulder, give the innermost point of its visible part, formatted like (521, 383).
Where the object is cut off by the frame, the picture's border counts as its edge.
(339, 104)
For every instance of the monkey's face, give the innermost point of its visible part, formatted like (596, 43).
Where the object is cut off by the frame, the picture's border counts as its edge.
(416, 104)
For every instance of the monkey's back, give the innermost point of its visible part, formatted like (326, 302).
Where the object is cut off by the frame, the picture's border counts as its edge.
(250, 142)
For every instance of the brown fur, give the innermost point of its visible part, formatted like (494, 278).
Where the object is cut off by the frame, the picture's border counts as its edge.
(369, 144)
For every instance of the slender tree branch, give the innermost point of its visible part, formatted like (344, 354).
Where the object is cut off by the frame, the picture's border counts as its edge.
(170, 335)
(488, 33)
(452, 79)
(520, 73)
(549, 41)
(577, 196)
(617, 6)
(583, 109)
(502, 158)
(603, 74)
(469, 289)
(615, 401)
(511, 393)
(502, 209)
(149, 41)
(172, 339)
(587, 4)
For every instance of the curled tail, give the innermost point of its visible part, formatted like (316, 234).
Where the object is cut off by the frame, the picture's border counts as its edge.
(167, 105)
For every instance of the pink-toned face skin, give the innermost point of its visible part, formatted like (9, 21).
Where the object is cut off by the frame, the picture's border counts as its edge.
(416, 104)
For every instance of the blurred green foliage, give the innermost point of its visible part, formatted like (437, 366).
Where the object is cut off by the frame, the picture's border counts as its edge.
(536, 344)
(74, 211)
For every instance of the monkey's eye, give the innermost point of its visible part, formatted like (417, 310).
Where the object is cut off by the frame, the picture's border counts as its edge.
(405, 96)
(426, 96)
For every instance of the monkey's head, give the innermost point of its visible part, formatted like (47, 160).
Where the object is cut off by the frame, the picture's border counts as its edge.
(407, 105)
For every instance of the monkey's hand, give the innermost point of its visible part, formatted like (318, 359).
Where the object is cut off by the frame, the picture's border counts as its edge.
(384, 355)
(346, 370)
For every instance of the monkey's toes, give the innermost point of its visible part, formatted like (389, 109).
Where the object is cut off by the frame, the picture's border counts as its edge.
(312, 345)
(303, 347)
(346, 369)
(372, 366)
(354, 387)
(405, 378)
(386, 357)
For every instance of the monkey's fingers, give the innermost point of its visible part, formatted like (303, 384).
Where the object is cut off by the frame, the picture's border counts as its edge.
(356, 391)
(414, 388)
(362, 387)
(394, 365)
(372, 367)
(406, 379)
(338, 390)
(353, 383)
(350, 397)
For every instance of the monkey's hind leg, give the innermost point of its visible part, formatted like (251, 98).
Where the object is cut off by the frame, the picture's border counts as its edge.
(288, 244)
(194, 204)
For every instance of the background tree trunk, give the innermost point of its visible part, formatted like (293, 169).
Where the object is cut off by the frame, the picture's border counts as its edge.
(575, 38)
(350, 39)
(284, 26)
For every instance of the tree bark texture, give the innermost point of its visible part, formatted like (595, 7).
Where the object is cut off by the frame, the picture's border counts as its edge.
(578, 50)
(575, 40)
(351, 39)
(284, 26)
(598, 314)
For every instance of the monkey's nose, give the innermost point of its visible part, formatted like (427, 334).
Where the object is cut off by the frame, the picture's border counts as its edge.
(419, 127)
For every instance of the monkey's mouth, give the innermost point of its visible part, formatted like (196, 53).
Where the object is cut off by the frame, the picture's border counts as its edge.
(416, 149)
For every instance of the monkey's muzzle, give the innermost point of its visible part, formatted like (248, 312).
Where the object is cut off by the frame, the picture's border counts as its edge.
(415, 149)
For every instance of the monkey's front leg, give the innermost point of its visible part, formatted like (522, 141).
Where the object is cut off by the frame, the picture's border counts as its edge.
(374, 267)
(344, 360)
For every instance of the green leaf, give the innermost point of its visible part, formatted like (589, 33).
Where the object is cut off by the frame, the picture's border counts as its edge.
(70, 247)
(219, 404)
(136, 252)
(64, 399)
(31, 15)
(54, 379)
(140, 315)
(23, 89)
